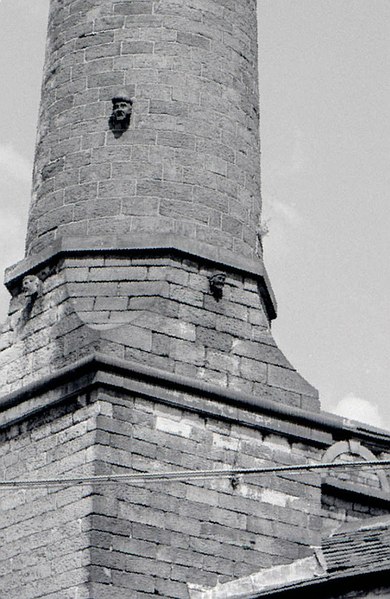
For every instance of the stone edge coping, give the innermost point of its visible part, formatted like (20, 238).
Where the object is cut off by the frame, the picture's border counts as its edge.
(375, 576)
(272, 579)
(26, 401)
(162, 242)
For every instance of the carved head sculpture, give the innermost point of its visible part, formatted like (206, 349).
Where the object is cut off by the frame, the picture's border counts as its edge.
(31, 287)
(217, 282)
(121, 112)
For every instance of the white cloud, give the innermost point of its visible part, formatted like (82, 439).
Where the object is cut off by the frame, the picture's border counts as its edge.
(13, 164)
(356, 408)
(287, 212)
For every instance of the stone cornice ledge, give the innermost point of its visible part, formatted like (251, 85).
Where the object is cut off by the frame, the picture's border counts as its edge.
(191, 248)
(29, 400)
(360, 492)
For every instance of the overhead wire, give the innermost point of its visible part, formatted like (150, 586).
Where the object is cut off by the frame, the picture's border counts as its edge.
(186, 475)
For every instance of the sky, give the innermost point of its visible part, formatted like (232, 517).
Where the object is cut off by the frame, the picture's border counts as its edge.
(325, 131)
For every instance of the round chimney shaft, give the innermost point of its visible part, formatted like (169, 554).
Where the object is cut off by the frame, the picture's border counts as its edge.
(186, 160)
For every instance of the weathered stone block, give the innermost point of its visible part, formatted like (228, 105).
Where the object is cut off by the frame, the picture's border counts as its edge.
(289, 379)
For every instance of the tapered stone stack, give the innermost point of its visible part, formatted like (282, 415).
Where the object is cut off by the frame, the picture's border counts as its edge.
(138, 336)
(130, 224)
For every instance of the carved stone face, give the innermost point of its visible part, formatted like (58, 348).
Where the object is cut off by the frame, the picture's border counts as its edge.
(217, 282)
(31, 286)
(121, 112)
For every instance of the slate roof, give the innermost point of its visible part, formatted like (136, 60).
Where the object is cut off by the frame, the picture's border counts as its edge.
(358, 546)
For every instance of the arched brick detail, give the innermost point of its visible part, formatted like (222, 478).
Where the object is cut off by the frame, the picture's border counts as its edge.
(355, 448)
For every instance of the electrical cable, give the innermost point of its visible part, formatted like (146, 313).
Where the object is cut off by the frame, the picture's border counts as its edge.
(185, 475)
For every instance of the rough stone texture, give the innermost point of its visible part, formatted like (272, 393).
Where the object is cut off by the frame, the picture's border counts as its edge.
(352, 562)
(340, 507)
(169, 533)
(355, 493)
(45, 544)
(149, 538)
(216, 392)
(189, 163)
(157, 311)
(152, 538)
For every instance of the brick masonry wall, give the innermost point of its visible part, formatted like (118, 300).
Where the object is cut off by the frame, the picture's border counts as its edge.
(155, 310)
(189, 163)
(354, 493)
(44, 538)
(152, 538)
(337, 509)
(348, 499)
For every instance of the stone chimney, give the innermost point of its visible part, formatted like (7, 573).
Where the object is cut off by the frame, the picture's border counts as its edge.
(138, 336)
(147, 228)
